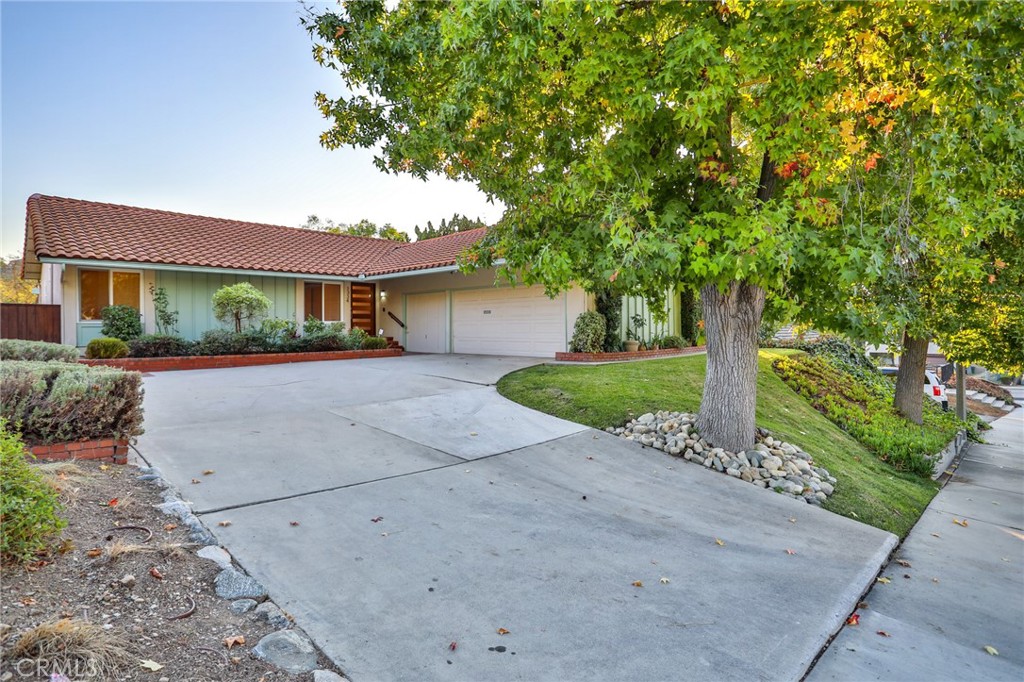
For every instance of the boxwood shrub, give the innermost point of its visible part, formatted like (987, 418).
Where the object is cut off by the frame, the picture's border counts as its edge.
(55, 402)
(121, 322)
(17, 349)
(588, 334)
(105, 348)
(374, 343)
(160, 346)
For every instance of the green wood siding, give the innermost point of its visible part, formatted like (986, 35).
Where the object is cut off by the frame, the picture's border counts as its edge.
(191, 294)
(633, 305)
(86, 332)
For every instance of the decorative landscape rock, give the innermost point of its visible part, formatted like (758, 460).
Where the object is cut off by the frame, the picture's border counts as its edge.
(243, 605)
(269, 612)
(232, 584)
(215, 554)
(289, 650)
(771, 464)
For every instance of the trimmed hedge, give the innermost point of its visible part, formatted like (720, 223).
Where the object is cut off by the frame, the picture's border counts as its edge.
(106, 348)
(28, 506)
(121, 322)
(160, 346)
(374, 343)
(17, 349)
(56, 402)
(588, 333)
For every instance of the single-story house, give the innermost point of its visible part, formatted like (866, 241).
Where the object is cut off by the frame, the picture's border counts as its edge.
(87, 255)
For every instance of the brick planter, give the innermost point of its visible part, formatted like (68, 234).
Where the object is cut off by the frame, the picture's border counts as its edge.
(106, 450)
(223, 361)
(625, 356)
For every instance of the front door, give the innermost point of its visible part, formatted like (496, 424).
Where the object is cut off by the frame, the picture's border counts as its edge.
(364, 309)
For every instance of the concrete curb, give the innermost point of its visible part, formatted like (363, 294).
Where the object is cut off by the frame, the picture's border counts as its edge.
(949, 453)
(847, 599)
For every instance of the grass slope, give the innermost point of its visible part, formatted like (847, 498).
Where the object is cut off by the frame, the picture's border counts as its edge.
(608, 395)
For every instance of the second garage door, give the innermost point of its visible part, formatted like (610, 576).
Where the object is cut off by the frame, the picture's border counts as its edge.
(512, 321)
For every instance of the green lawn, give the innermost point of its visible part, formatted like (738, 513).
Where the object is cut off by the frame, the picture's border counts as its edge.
(608, 395)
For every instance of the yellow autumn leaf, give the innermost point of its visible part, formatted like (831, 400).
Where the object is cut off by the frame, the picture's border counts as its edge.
(638, 583)
(884, 581)
(719, 542)
(991, 651)
(502, 631)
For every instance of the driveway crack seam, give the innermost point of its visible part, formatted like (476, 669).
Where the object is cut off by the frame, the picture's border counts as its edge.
(244, 505)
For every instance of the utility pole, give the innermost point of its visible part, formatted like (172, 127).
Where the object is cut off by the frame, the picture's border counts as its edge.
(961, 393)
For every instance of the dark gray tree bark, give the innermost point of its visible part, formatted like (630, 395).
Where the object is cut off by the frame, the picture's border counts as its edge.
(731, 320)
(909, 399)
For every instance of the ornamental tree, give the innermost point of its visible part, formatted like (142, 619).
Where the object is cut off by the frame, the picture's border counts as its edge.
(635, 143)
(239, 303)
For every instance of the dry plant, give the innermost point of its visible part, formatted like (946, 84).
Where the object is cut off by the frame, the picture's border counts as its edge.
(67, 478)
(73, 645)
(120, 547)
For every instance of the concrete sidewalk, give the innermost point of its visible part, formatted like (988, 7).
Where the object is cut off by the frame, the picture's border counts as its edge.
(961, 588)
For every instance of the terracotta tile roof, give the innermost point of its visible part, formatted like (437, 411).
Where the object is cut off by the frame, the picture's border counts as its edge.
(57, 227)
(429, 253)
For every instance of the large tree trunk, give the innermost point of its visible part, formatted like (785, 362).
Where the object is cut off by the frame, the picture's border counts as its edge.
(909, 400)
(731, 320)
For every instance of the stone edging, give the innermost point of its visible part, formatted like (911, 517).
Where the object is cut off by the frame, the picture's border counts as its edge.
(106, 450)
(224, 361)
(625, 355)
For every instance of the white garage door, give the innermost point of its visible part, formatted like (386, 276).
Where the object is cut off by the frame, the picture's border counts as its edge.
(426, 322)
(512, 321)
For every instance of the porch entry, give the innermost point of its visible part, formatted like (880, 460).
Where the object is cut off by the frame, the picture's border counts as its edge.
(364, 308)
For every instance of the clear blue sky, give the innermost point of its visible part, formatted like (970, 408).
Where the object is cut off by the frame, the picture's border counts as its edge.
(198, 107)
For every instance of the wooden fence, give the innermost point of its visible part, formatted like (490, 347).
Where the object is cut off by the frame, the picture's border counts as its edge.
(30, 321)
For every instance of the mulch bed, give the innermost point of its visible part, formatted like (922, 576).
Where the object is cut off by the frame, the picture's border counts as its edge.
(110, 577)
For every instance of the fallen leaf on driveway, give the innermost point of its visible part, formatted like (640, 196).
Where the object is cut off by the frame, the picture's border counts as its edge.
(170, 526)
(883, 633)
(719, 542)
(789, 551)
(195, 480)
(453, 646)
(376, 519)
(884, 581)
(991, 651)
(936, 535)
(960, 522)
(150, 665)
(293, 523)
(472, 433)
(862, 605)
(903, 562)
(156, 573)
(232, 641)
(225, 524)
(207, 472)
(935, 580)
(664, 581)
(638, 583)
(502, 631)
(95, 552)
(792, 519)
(104, 467)
(853, 620)
(113, 502)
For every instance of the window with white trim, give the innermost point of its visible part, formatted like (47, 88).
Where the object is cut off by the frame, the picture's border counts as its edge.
(99, 288)
(323, 301)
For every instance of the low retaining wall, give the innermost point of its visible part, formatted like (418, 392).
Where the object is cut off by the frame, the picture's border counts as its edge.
(223, 361)
(106, 450)
(625, 355)
(944, 458)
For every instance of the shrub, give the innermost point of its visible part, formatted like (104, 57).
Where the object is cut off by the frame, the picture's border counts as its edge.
(28, 506)
(239, 303)
(673, 341)
(54, 402)
(159, 346)
(277, 330)
(121, 322)
(224, 342)
(166, 319)
(864, 410)
(374, 343)
(16, 349)
(356, 337)
(105, 348)
(313, 326)
(588, 333)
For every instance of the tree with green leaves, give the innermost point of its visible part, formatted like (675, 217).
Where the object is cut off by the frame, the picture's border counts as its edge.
(364, 228)
(238, 303)
(635, 144)
(458, 223)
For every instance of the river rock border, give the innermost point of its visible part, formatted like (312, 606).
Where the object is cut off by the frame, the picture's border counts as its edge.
(772, 464)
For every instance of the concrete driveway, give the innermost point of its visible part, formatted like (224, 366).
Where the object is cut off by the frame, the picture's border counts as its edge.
(496, 516)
